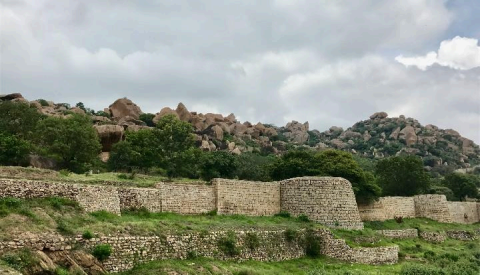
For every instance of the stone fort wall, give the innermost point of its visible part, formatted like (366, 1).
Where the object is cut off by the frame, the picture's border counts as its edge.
(327, 200)
(273, 246)
(323, 199)
(435, 207)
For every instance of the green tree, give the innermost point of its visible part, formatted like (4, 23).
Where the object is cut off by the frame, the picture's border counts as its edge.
(251, 166)
(71, 141)
(13, 150)
(175, 144)
(462, 185)
(338, 163)
(123, 157)
(144, 149)
(402, 176)
(19, 119)
(148, 119)
(217, 164)
(293, 164)
(327, 163)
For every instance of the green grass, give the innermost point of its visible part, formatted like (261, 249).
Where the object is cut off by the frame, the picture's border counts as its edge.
(298, 266)
(110, 178)
(55, 215)
(421, 224)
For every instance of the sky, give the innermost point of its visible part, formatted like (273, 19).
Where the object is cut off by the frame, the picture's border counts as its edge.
(326, 62)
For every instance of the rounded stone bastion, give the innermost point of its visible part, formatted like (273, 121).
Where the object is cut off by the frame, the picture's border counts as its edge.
(327, 200)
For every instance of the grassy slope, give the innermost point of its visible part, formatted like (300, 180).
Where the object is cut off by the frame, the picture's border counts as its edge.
(64, 217)
(120, 179)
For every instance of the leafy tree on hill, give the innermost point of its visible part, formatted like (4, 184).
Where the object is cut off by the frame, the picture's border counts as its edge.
(251, 166)
(217, 164)
(169, 146)
(148, 119)
(293, 164)
(402, 176)
(175, 143)
(13, 150)
(19, 119)
(71, 141)
(327, 163)
(462, 185)
(341, 164)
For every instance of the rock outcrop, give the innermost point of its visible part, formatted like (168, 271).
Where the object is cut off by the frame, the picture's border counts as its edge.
(109, 135)
(124, 107)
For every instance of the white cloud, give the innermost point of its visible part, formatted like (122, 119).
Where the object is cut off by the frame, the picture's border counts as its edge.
(272, 61)
(458, 53)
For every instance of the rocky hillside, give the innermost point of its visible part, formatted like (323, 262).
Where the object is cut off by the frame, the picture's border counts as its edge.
(378, 137)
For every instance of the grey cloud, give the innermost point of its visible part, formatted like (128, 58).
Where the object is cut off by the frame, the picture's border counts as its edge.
(269, 61)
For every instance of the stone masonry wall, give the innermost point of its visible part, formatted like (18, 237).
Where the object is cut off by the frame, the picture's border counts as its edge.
(434, 207)
(247, 198)
(399, 234)
(90, 197)
(273, 246)
(187, 198)
(135, 198)
(327, 200)
(463, 212)
(386, 208)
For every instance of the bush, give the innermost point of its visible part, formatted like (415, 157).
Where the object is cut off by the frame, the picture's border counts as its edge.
(87, 235)
(192, 255)
(311, 244)
(59, 203)
(283, 214)
(303, 218)
(227, 244)
(19, 260)
(102, 251)
(415, 269)
(290, 235)
(43, 102)
(64, 172)
(252, 241)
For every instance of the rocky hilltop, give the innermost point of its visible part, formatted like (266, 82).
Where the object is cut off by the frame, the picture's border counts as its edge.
(377, 137)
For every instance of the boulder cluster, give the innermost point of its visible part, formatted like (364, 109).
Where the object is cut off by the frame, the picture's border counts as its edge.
(378, 137)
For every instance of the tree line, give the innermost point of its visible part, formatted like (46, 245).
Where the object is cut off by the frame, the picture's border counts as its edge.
(169, 149)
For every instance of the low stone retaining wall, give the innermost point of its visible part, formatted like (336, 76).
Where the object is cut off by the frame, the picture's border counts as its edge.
(461, 235)
(433, 237)
(399, 234)
(272, 246)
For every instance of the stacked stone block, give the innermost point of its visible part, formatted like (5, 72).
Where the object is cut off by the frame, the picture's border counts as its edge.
(247, 198)
(327, 200)
(187, 198)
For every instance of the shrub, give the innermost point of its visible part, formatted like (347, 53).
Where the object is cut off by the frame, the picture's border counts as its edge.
(311, 244)
(290, 235)
(87, 235)
(212, 213)
(61, 271)
(283, 214)
(20, 259)
(303, 218)
(43, 102)
(192, 255)
(252, 241)
(63, 228)
(59, 203)
(415, 269)
(428, 254)
(102, 251)
(64, 172)
(227, 244)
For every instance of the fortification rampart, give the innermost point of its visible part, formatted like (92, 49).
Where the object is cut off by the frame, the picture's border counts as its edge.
(327, 200)
(435, 207)
(273, 246)
(323, 199)
(247, 198)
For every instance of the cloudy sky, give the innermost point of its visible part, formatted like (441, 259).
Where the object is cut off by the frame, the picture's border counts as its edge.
(328, 62)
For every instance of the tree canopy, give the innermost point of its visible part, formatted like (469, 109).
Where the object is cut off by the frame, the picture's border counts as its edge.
(402, 176)
(462, 185)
